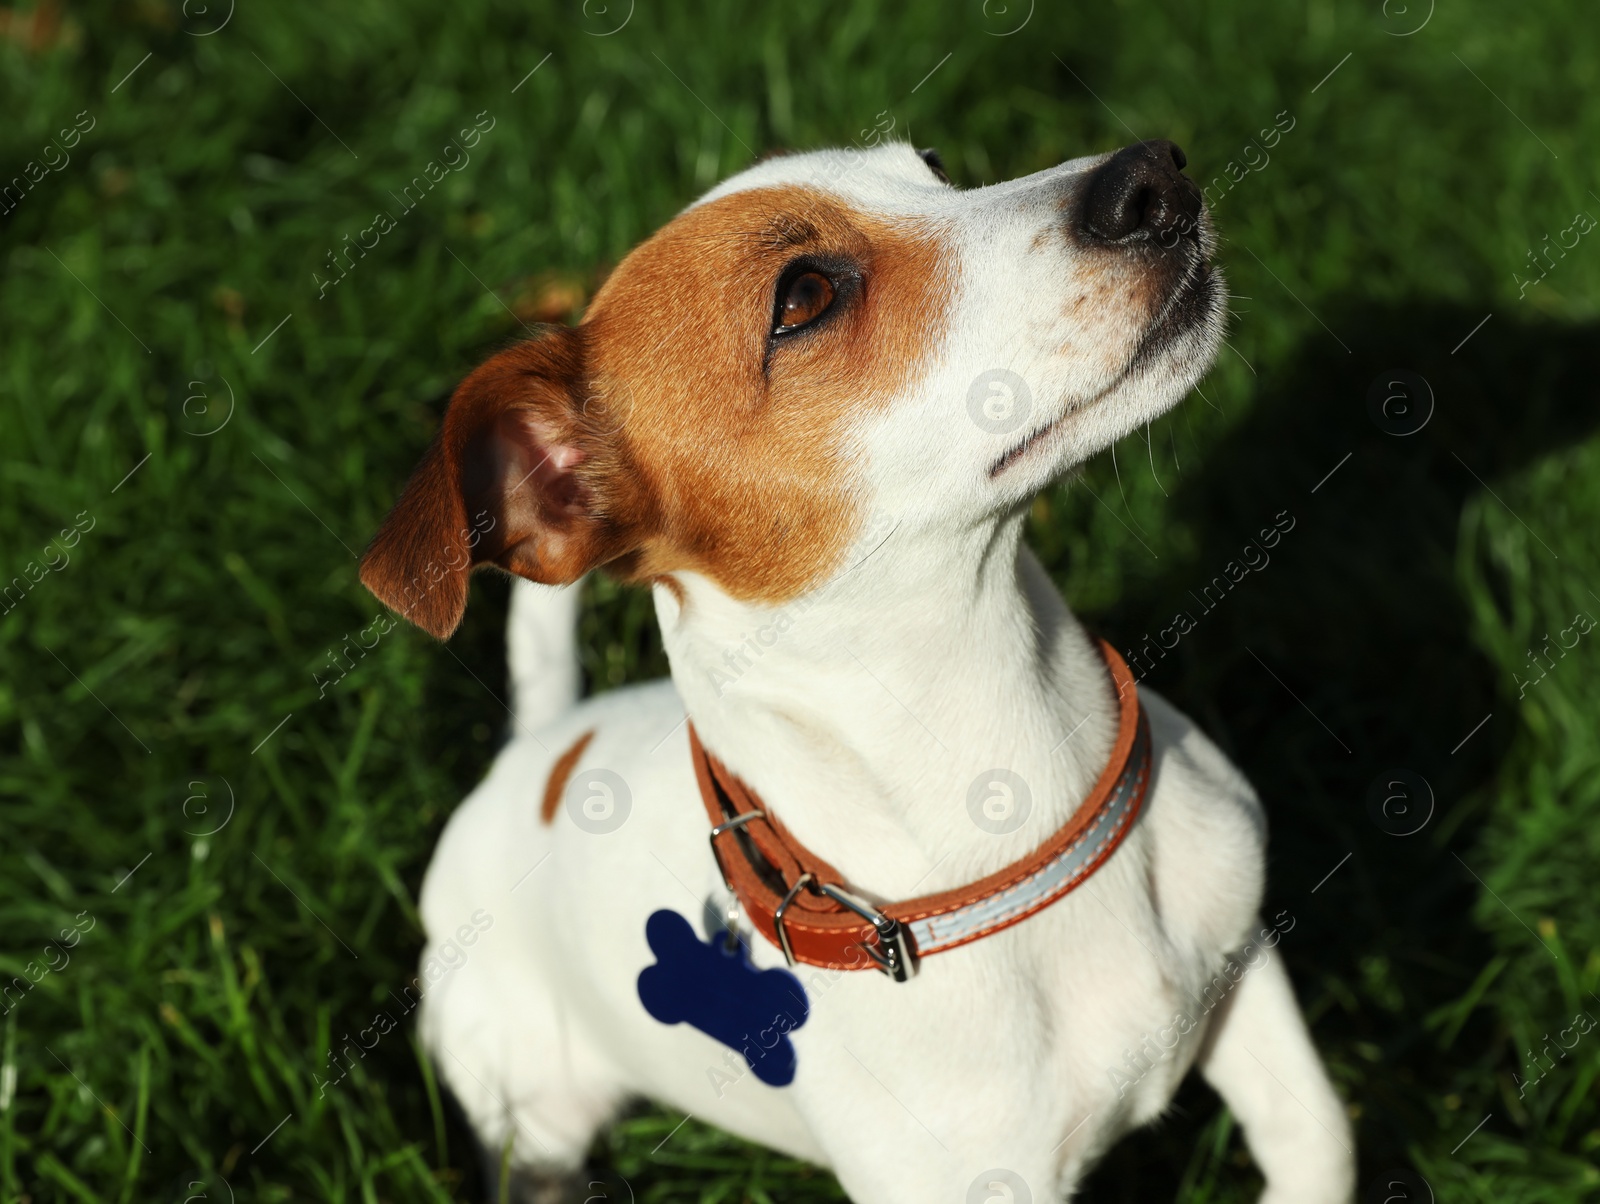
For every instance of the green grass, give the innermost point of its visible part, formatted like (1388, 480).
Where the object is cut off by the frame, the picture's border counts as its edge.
(145, 682)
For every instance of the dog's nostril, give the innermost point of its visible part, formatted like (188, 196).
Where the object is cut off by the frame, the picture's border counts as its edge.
(1141, 193)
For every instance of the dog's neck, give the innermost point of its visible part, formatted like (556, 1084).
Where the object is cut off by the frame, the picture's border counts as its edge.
(870, 714)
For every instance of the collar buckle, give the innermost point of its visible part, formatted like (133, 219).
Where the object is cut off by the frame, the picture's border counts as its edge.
(777, 916)
(738, 821)
(894, 955)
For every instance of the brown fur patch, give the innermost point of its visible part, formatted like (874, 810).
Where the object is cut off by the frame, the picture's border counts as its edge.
(560, 774)
(670, 431)
(742, 454)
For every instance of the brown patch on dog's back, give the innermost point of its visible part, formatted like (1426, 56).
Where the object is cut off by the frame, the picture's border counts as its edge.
(560, 774)
(742, 452)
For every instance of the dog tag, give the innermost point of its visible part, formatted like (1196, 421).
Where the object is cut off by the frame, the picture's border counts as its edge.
(716, 990)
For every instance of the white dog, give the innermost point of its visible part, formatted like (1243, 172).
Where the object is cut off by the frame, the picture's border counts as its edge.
(1019, 897)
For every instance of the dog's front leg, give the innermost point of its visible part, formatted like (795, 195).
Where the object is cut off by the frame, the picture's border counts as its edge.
(1259, 1057)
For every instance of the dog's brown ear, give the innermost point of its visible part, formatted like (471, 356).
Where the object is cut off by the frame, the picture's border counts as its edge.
(514, 479)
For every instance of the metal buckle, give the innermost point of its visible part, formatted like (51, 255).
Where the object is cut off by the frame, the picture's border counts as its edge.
(777, 916)
(894, 955)
(738, 821)
(730, 921)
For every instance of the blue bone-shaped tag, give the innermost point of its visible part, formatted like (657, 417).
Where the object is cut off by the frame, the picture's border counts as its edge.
(720, 993)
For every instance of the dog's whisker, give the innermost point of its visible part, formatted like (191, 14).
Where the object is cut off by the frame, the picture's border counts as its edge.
(1240, 354)
(1120, 490)
(1150, 447)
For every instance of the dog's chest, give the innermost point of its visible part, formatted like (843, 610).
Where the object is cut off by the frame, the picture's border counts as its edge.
(1003, 1042)
(1048, 1038)
(1017, 1027)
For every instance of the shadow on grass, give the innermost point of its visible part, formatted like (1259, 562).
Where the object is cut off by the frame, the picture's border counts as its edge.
(1344, 657)
(1347, 656)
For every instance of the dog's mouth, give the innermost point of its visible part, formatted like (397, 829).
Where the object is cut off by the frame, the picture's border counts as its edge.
(1194, 302)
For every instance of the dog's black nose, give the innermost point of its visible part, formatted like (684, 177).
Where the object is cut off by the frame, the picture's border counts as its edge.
(1142, 193)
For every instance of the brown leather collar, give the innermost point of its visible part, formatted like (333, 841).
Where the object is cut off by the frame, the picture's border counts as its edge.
(800, 903)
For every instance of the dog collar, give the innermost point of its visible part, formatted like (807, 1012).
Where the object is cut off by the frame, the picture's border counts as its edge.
(800, 903)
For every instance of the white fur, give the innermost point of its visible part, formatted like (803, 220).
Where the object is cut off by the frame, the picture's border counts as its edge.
(541, 652)
(862, 713)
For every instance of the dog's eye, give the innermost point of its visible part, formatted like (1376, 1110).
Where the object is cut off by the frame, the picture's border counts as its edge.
(935, 164)
(803, 299)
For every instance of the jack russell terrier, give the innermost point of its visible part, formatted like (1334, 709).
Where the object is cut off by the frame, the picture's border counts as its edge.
(899, 873)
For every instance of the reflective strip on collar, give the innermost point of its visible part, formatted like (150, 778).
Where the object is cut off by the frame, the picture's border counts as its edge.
(1052, 881)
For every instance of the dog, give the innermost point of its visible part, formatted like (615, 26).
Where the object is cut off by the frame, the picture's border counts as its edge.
(811, 413)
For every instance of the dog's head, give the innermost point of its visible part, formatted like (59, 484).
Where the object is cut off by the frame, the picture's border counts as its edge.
(823, 337)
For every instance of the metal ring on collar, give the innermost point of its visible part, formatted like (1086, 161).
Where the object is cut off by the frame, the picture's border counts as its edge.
(777, 916)
(738, 821)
